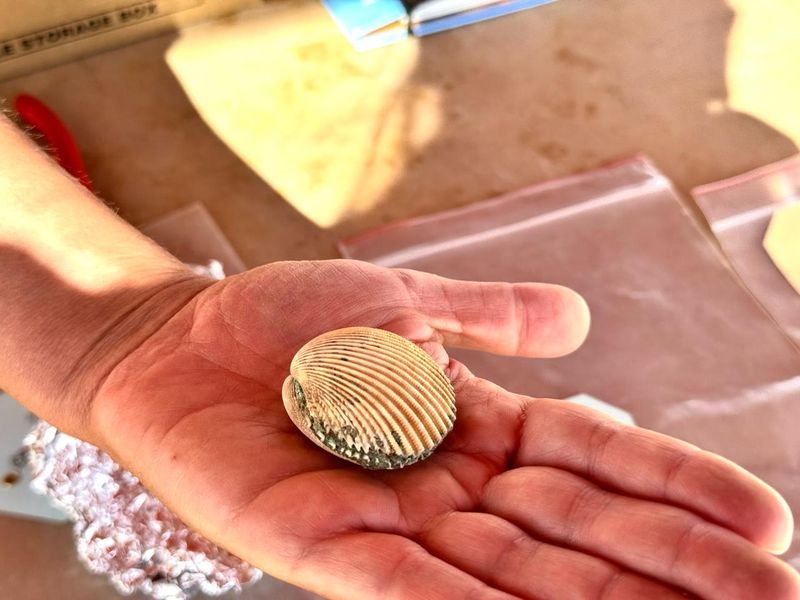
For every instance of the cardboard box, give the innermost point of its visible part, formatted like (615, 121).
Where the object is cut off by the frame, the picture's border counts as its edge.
(39, 33)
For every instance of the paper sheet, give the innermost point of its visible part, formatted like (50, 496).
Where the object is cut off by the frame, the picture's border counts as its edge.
(782, 243)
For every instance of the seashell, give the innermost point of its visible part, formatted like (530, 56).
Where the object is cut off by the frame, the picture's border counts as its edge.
(369, 396)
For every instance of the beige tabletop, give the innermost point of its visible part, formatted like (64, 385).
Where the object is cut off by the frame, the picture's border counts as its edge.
(522, 99)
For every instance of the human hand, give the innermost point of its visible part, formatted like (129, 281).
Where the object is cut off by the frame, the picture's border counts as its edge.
(528, 498)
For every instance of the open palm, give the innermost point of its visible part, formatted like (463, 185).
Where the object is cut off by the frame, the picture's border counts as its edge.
(528, 498)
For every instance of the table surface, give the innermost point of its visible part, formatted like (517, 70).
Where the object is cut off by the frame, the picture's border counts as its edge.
(604, 82)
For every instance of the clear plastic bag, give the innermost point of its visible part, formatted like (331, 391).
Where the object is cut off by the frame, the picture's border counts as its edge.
(739, 211)
(676, 340)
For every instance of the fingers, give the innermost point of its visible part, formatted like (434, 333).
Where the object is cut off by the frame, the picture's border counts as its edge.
(660, 541)
(381, 566)
(526, 319)
(507, 558)
(644, 463)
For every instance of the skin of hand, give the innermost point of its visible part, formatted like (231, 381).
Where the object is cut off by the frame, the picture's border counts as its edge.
(526, 498)
(178, 377)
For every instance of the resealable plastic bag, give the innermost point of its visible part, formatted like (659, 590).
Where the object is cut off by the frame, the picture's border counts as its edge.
(676, 340)
(739, 211)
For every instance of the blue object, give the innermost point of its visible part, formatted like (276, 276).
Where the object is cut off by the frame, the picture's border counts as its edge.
(369, 23)
(473, 16)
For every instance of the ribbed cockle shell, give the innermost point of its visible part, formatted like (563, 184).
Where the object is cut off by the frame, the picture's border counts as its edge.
(369, 396)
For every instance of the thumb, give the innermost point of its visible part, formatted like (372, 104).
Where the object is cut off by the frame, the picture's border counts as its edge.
(525, 319)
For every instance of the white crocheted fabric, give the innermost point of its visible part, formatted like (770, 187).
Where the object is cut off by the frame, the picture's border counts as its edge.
(123, 531)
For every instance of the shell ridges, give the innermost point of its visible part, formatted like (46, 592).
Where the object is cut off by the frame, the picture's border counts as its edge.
(369, 396)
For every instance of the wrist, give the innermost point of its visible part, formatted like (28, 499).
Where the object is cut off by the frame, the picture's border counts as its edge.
(129, 320)
(67, 343)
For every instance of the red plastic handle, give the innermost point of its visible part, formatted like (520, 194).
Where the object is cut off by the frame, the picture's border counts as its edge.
(62, 145)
